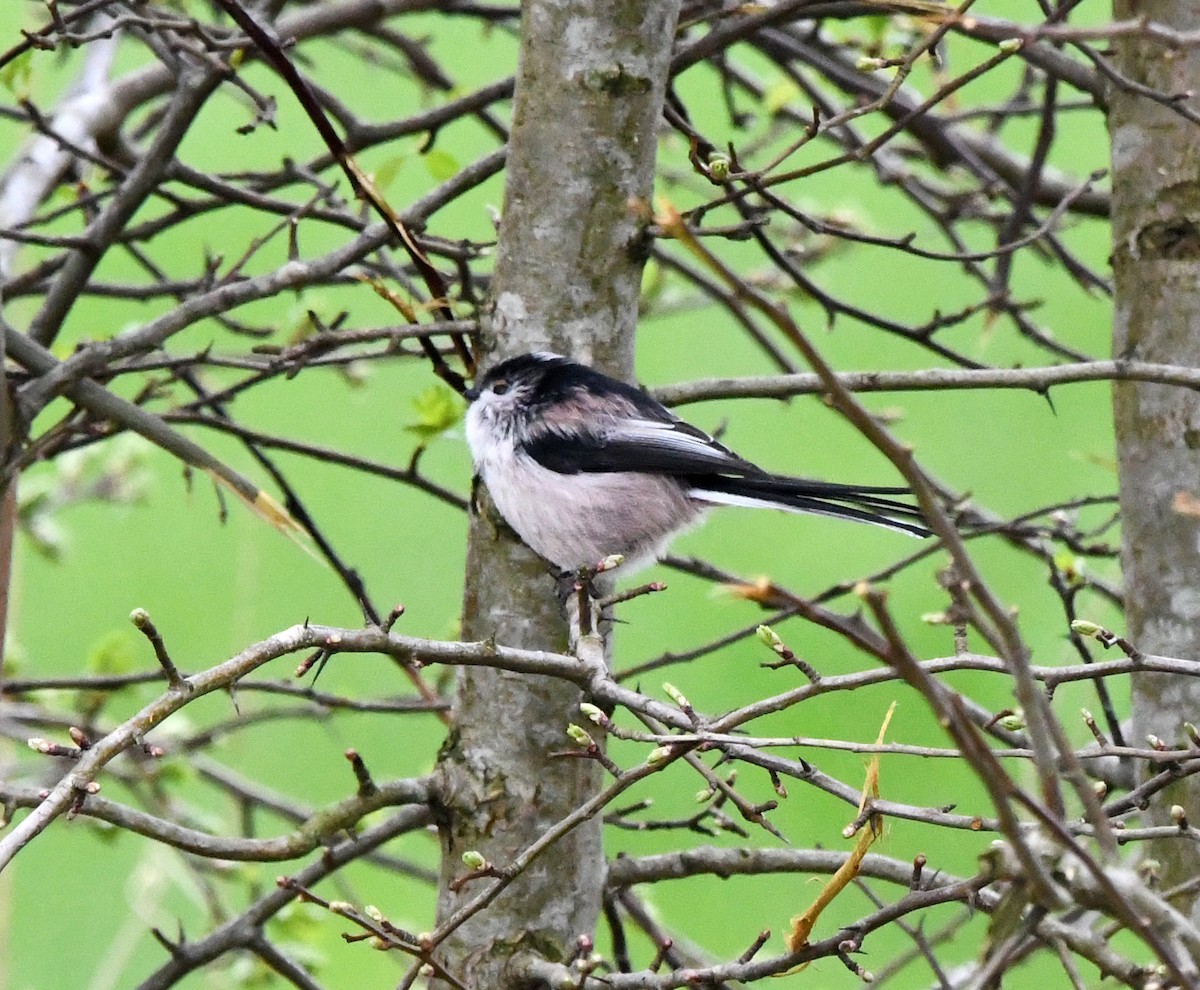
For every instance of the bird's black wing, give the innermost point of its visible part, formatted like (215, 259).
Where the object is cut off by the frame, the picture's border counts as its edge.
(713, 473)
(653, 446)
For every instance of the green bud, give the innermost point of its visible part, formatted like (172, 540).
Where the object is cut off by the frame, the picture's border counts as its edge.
(868, 64)
(579, 735)
(676, 695)
(473, 860)
(718, 167)
(1014, 722)
(1085, 628)
(1010, 45)
(660, 754)
(592, 712)
(1071, 567)
(768, 637)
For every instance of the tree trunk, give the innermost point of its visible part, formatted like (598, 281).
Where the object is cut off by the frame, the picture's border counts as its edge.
(1156, 251)
(587, 107)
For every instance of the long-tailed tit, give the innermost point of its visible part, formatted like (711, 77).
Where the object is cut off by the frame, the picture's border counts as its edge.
(583, 466)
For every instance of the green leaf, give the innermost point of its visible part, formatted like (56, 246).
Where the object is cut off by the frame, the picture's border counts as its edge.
(437, 410)
(1071, 567)
(114, 653)
(780, 95)
(298, 922)
(441, 164)
(654, 284)
(17, 75)
(877, 29)
(388, 169)
(298, 324)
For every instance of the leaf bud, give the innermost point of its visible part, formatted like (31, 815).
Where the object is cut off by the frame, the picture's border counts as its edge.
(660, 754)
(676, 695)
(718, 167)
(592, 712)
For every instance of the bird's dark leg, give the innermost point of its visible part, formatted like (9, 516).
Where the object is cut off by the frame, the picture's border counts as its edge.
(566, 586)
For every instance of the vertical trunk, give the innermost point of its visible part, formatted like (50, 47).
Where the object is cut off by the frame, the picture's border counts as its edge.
(1156, 253)
(588, 102)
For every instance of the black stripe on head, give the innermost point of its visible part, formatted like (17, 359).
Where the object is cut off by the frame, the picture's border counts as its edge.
(523, 368)
(554, 379)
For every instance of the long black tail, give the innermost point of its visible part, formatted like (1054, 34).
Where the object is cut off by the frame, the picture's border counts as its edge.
(863, 503)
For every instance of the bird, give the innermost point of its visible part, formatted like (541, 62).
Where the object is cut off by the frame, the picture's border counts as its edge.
(583, 467)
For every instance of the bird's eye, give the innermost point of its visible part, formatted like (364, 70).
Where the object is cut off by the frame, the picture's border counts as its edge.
(500, 387)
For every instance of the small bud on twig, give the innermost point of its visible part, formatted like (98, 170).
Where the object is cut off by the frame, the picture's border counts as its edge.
(141, 619)
(677, 696)
(593, 713)
(660, 754)
(366, 786)
(1090, 721)
(47, 747)
(718, 167)
(393, 615)
(1014, 721)
(768, 637)
(1082, 627)
(919, 861)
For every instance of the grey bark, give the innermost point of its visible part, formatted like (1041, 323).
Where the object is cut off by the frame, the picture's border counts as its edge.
(588, 102)
(1156, 262)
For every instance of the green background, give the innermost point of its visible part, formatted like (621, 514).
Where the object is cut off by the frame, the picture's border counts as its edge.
(77, 906)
